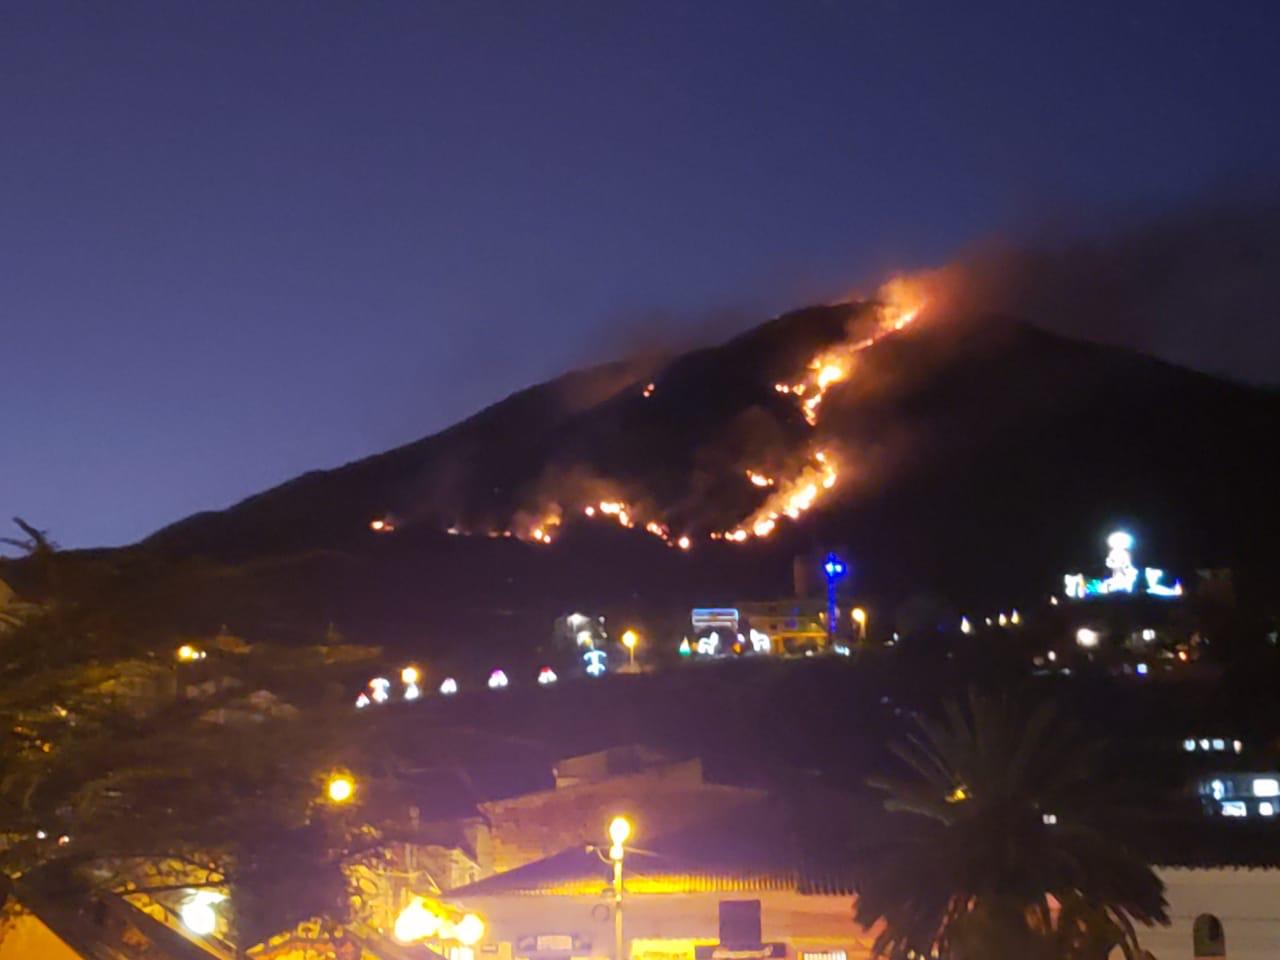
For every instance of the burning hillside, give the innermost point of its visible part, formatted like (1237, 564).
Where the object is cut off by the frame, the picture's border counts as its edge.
(797, 478)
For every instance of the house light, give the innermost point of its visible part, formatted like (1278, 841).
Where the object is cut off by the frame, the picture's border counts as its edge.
(1234, 808)
(1266, 787)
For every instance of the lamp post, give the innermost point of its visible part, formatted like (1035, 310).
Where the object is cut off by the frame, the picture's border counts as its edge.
(860, 618)
(619, 831)
(835, 569)
(629, 640)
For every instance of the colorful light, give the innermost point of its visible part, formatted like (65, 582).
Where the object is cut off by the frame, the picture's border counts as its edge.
(410, 674)
(381, 688)
(547, 676)
(597, 662)
(498, 680)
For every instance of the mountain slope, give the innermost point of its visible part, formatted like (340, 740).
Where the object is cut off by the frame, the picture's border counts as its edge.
(976, 459)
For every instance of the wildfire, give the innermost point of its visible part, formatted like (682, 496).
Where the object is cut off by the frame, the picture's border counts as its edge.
(834, 365)
(790, 499)
(787, 495)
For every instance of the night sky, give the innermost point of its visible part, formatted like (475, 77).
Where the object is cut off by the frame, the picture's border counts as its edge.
(240, 241)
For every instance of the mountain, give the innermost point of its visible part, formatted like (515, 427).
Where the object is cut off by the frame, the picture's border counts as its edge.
(971, 459)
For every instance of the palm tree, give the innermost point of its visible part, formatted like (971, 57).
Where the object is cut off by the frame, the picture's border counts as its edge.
(1002, 849)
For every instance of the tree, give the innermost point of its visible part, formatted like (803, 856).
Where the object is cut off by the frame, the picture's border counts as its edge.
(106, 787)
(1003, 845)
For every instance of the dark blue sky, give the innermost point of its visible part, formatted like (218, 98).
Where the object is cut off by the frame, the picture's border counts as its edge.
(238, 241)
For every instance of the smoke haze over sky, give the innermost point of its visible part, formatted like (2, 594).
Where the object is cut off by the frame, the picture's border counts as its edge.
(243, 240)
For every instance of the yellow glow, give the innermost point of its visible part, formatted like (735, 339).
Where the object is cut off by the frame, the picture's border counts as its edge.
(186, 653)
(630, 639)
(859, 616)
(619, 830)
(958, 795)
(416, 922)
(410, 674)
(469, 930)
(340, 788)
(684, 543)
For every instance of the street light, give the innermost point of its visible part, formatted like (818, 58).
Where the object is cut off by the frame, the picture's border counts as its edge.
(629, 640)
(340, 788)
(835, 570)
(860, 618)
(619, 831)
(197, 913)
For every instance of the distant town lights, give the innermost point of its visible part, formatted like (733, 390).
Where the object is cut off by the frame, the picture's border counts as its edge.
(1087, 638)
(498, 680)
(410, 674)
(448, 687)
(547, 676)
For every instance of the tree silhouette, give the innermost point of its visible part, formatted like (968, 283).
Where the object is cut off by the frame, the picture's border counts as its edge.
(1002, 846)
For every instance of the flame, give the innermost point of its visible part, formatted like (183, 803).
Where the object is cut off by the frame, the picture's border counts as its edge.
(790, 494)
(901, 302)
(791, 498)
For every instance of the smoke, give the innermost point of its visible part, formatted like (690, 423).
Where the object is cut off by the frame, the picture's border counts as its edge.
(1197, 287)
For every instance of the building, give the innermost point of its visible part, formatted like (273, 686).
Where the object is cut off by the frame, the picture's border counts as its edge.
(592, 788)
(561, 907)
(794, 626)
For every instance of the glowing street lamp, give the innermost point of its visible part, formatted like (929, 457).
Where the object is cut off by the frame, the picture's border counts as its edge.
(410, 675)
(619, 832)
(629, 640)
(860, 618)
(340, 788)
(835, 570)
(197, 913)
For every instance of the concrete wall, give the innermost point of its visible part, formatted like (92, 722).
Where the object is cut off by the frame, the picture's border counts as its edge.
(1246, 901)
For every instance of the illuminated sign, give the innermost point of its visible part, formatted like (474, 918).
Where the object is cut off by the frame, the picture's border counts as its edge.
(1124, 578)
(597, 662)
(715, 618)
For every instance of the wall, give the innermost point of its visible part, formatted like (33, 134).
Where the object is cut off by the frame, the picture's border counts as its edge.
(1246, 901)
(667, 926)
